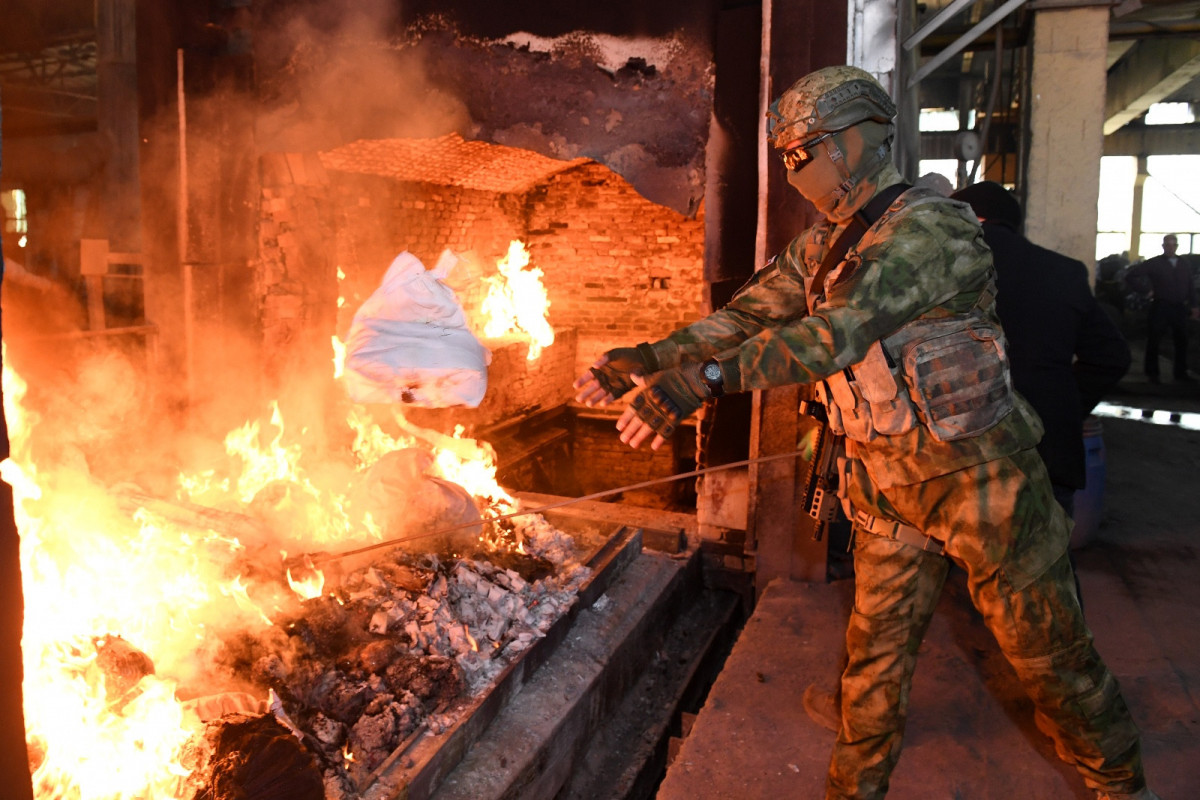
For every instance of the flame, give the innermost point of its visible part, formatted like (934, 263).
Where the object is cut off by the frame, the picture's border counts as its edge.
(274, 465)
(92, 570)
(370, 441)
(469, 463)
(310, 586)
(339, 356)
(517, 302)
(91, 575)
(472, 465)
(471, 639)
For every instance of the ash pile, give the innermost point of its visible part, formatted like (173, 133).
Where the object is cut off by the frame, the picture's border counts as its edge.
(388, 656)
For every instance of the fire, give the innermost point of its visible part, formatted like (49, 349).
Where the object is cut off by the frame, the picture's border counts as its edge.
(339, 356)
(94, 574)
(517, 302)
(98, 582)
(370, 441)
(309, 586)
(469, 463)
(273, 469)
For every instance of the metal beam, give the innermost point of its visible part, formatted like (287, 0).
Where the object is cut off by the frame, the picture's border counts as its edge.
(938, 21)
(1149, 73)
(985, 24)
(1154, 140)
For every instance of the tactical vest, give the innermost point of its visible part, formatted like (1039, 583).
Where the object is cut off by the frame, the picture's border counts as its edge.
(948, 373)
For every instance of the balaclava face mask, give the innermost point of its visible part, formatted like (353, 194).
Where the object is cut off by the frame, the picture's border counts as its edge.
(847, 169)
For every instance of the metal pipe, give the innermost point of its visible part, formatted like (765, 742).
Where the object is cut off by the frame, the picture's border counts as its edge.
(985, 24)
(939, 19)
(181, 224)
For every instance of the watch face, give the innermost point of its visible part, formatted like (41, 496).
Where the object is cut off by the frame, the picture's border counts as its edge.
(712, 372)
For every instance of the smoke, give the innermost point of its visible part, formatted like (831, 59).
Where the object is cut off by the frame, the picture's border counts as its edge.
(344, 74)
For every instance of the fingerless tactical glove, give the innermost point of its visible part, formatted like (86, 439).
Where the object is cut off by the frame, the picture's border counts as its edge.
(670, 397)
(615, 376)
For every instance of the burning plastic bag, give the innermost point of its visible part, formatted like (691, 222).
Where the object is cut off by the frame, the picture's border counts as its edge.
(409, 341)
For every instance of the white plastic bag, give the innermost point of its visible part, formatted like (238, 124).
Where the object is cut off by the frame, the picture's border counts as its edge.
(409, 342)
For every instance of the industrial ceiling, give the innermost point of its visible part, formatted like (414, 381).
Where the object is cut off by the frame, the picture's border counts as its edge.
(48, 59)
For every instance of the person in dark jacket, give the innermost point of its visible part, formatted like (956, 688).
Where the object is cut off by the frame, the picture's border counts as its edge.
(1065, 351)
(1168, 277)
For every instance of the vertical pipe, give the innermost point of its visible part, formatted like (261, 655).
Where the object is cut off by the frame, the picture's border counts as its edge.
(1135, 223)
(765, 91)
(760, 257)
(181, 223)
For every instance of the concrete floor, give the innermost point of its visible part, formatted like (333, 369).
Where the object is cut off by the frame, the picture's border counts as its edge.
(970, 733)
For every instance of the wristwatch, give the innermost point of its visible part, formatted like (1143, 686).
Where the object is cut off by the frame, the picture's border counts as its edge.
(710, 373)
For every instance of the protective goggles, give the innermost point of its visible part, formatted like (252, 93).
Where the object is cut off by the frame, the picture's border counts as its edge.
(797, 158)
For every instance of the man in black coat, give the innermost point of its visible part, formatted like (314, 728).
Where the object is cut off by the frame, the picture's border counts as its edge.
(1065, 351)
(1168, 277)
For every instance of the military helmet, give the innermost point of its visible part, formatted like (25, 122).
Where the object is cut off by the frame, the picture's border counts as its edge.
(830, 99)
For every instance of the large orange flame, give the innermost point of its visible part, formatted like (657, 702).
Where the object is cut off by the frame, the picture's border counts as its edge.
(517, 302)
(92, 575)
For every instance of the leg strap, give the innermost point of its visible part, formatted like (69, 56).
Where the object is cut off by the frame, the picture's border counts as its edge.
(891, 529)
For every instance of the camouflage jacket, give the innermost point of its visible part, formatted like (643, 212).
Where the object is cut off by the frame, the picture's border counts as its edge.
(924, 258)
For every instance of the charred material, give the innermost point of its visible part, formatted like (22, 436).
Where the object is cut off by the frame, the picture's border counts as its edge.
(252, 757)
(386, 657)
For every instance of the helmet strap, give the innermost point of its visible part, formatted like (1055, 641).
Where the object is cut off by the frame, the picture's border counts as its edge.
(850, 180)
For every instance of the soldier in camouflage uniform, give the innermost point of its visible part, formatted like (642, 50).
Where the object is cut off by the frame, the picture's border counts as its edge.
(903, 344)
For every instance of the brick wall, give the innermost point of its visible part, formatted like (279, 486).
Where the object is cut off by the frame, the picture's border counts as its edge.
(619, 269)
(603, 462)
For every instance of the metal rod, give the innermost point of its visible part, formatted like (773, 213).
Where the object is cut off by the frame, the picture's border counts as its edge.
(983, 25)
(939, 19)
(325, 558)
(184, 243)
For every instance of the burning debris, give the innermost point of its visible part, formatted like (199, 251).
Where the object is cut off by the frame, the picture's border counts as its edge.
(247, 755)
(365, 669)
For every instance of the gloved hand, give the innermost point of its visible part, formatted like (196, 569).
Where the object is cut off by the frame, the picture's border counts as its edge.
(613, 374)
(669, 398)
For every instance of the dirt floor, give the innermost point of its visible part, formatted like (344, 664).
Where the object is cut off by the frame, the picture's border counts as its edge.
(970, 733)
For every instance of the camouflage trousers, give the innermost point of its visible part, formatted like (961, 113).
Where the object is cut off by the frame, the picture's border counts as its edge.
(1000, 522)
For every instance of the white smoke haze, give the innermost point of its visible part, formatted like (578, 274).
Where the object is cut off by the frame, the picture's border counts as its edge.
(351, 79)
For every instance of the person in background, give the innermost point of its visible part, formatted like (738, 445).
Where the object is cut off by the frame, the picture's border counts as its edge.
(1169, 279)
(1064, 350)
(888, 307)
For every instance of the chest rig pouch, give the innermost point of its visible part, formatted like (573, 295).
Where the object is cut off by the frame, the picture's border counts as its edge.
(957, 373)
(950, 374)
(870, 398)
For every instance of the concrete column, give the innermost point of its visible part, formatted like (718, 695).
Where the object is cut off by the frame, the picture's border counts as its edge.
(1067, 94)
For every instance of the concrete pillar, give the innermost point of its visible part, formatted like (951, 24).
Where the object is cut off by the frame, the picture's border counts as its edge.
(1067, 94)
